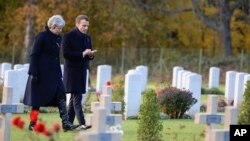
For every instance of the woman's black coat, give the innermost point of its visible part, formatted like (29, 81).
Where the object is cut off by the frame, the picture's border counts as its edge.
(45, 65)
(75, 65)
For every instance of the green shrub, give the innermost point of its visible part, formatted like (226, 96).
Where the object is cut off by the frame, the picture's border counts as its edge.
(244, 112)
(212, 91)
(150, 125)
(175, 102)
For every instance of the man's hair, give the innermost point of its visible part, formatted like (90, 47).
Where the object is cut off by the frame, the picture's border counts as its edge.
(81, 17)
(56, 21)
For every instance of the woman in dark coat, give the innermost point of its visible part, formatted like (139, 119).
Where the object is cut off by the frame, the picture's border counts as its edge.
(45, 86)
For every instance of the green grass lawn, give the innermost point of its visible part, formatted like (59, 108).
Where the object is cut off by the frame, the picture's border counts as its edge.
(174, 130)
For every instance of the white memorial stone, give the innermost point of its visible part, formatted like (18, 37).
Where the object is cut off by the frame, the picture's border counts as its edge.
(211, 117)
(184, 78)
(105, 101)
(18, 66)
(26, 65)
(5, 67)
(99, 130)
(132, 96)
(22, 81)
(229, 86)
(144, 72)
(11, 79)
(230, 119)
(103, 76)
(179, 81)
(239, 88)
(214, 77)
(194, 82)
(176, 69)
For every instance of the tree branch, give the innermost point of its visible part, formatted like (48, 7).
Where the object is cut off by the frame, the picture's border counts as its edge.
(161, 10)
(200, 15)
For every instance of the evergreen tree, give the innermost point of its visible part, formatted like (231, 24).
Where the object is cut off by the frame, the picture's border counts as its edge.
(150, 126)
(244, 112)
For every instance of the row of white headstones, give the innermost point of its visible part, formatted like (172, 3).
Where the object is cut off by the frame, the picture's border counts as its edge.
(136, 82)
(234, 85)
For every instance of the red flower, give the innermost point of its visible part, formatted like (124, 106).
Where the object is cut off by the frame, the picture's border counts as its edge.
(56, 127)
(34, 115)
(39, 127)
(21, 124)
(108, 83)
(48, 133)
(18, 122)
(158, 92)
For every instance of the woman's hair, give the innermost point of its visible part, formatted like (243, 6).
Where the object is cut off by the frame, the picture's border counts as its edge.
(81, 17)
(56, 21)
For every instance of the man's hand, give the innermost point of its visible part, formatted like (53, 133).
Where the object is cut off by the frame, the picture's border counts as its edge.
(89, 52)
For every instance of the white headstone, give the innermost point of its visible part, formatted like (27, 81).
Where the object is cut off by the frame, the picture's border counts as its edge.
(184, 78)
(239, 88)
(214, 77)
(194, 82)
(11, 79)
(229, 86)
(26, 65)
(18, 66)
(5, 67)
(144, 72)
(176, 69)
(132, 96)
(179, 79)
(103, 76)
(22, 81)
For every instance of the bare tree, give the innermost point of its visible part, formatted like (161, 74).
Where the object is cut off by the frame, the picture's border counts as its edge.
(29, 31)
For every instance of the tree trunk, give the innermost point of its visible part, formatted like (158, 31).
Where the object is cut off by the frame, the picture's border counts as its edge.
(225, 40)
(29, 32)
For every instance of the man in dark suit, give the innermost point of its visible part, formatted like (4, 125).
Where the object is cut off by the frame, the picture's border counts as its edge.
(77, 51)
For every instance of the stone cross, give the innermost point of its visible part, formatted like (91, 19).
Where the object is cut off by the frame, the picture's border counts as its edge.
(211, 117)
(99, 131)
(230, 119)
(105, 101)
(6, 110)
